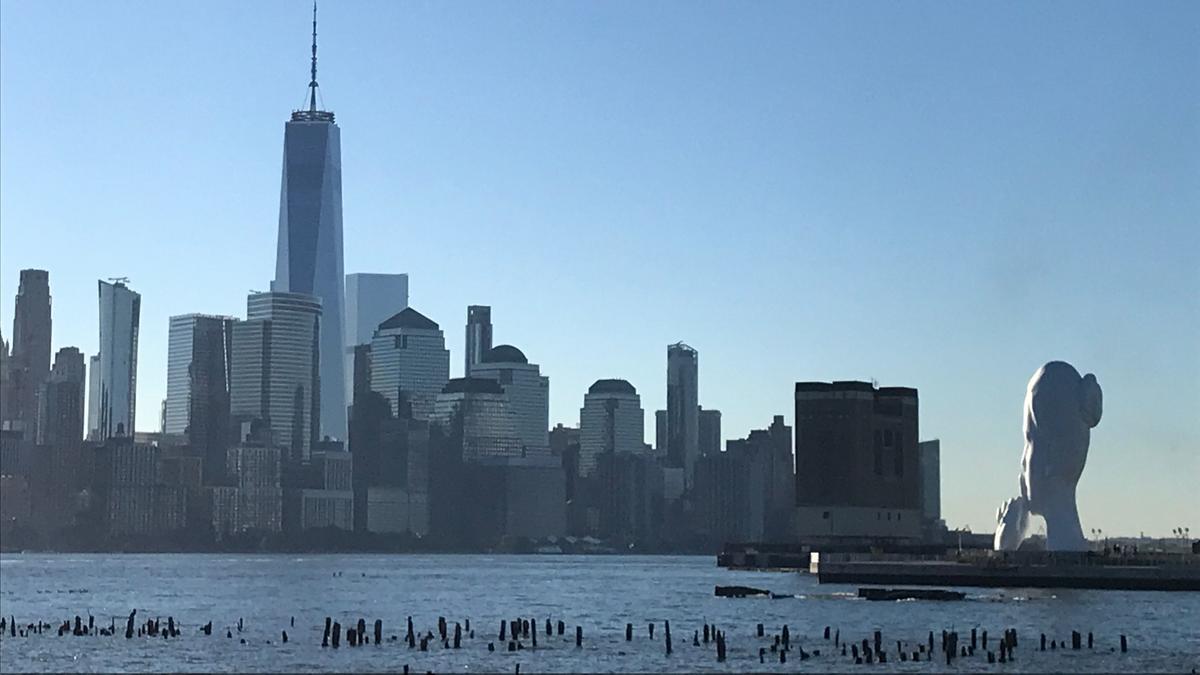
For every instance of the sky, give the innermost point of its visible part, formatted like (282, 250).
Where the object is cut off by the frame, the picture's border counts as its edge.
(935, 195)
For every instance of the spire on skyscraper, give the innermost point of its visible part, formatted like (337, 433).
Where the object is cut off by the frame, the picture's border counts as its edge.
(312, 84)
(313, 114)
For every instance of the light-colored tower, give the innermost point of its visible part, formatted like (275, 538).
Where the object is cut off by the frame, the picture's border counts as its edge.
(683, 408)
(370, 300)
(275, 369)
(120, 316)
(409, 363)
(309, 256)
(527, 389)
(610, 421)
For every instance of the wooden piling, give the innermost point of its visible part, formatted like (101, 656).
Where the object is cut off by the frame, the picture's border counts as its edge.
(336, 634)
(628, 632)
(562, 627)
(578, 636)
(378, 631)
(650, 628)
(1124, 644)
(457, 635)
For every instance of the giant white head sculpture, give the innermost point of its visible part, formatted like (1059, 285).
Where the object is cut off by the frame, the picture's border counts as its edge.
(1060, 410)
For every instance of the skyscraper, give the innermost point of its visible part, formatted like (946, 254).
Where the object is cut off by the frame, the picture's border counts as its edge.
(710, 431)
(610, 421)
(409, 363)
(275, 369)
(93, 398)
(683, 408)
(197, 405)
(60, 403)
(29, 363)
(929, 462)
(370, 300)
(309, 255)
(476, 411)
(479, 335)
(116, 382)
(527, 389)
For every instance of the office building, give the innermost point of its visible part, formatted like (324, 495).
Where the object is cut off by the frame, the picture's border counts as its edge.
(370, 300)
(29, 362)
(6, 395)
(728, 493)
(275, 369)
(254, 500)
(857, 472)
(199, 358)
(683, 408)
(528, 393)
(476, 412)
(61, 401)
(772, 449)
(610, 421)
(709, 428)
(309, 255)
(133, 498)
(409, 363)
(116, 379)
(929, 462)
(479, 336)
(660, 432)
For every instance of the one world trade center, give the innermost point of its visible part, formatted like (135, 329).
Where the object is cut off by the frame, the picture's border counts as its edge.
(309, 255)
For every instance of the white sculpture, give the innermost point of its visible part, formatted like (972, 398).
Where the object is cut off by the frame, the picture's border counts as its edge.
(1060, 410)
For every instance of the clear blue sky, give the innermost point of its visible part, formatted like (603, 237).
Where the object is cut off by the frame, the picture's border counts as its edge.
(942, 196)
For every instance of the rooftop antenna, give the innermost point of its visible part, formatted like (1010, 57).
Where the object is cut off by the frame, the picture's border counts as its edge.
(119, 280)
(312, 85)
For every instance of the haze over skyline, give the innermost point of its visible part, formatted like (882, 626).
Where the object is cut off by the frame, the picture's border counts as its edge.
(943, 200)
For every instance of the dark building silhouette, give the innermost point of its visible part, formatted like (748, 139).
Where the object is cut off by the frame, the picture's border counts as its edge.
(199, 359)
(772, 448)
(857, 471)
(29, 362)
(683, 409)
(710, 431)
(728, 496)
(61, 401)
(479, 335)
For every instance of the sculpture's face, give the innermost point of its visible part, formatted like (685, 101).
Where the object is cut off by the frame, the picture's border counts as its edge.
(1060, 409)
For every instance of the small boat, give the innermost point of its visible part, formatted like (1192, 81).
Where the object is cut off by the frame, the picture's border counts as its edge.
(909, 594)
(738, 591)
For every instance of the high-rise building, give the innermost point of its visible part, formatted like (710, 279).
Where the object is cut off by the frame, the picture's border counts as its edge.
(198, 375)
(29, 363)
(528, 393)
(409, 363)
(370, 300)
(309, 256)
(92, 428)
(660, 432)
(857, 470)
(709, 431)
(116, 381)
(60, 405)
(610, 421)
(479, 336)
(929, 460)
(683, 408)
(275, 369)
(477, 411)
(5, 392)
(728, 494)
(772, 449)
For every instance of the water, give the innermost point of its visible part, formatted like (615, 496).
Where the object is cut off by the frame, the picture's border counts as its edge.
(600, 593)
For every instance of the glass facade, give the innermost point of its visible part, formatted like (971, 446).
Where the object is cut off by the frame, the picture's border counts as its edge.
(610, 421)
(409, 363)
(120, 314)
(309, 254)
(276, 368)
(683, 408)
(528, 394)
(370, 300)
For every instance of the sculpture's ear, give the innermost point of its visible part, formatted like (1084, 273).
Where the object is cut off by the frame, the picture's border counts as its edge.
(1090, 400)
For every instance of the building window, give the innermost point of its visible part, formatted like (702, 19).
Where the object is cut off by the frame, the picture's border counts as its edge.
(887, 437)
(878, 461)
(825, 515)
(899, 463)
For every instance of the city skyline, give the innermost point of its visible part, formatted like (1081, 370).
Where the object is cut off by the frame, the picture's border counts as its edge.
(746, 374)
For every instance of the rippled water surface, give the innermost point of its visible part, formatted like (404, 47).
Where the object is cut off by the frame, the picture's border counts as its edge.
(599, 593)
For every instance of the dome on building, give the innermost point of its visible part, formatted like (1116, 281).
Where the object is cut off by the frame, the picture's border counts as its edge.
(612, 387)
(504, 354)
(409, 318)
